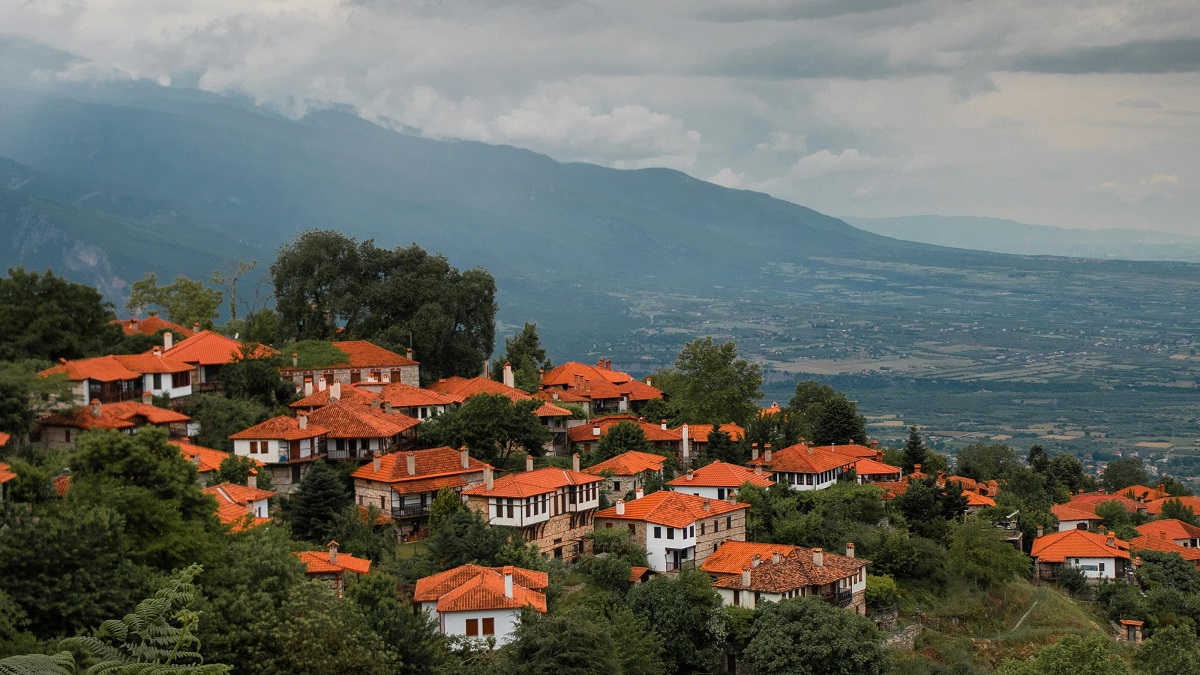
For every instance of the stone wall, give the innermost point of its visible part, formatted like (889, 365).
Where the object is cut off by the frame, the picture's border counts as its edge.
(711, 540)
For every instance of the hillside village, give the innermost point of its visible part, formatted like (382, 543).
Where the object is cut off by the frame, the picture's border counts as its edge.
(483, 521)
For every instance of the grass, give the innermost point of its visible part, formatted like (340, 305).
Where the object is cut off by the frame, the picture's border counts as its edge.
(410, 550)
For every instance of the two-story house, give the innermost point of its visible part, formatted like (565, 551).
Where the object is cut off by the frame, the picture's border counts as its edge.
(207, 353)
(364, 362)
(356, 432)
(746, 574)
(599, 389)
(481, 602)
(125, 377)
(626, 472)
(418, 403)
(1184, 534)
(678, 531)
(286, 446)
(586, 436)
(1070, 518)
(719, 480)
(802, 467)
(403, 485)
(1161, 542)
(552, 507)
(1096, 555)
(62, 429)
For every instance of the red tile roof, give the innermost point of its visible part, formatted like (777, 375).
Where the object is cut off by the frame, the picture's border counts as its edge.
(279, 428)
(566, 375)
(551, 410)
(1173, 527)
(628, 463)
(210, 459)
(4, 439)
(529, 483)
(352, 420)
(797, 570)
(869, 467)
(237, 494)
(207, 348)
(673, 509)
(234, 504)
(100, 368)
(467, 387)
(364, 354)
(61, 484)
(1059, 546)
(1143, 492)
(6, 473)
(1068, 512)
(561, 396)
(434, 463)
(597, 382)
(850, 450)
(407, 396)
(1155, 507)
(654, 432)
(774, 409)
(734, 556)
(473, 588)
(320, 562)
(801, 458)
(151, 325)
(152, 363)
(1156, 542)
(976, 499)
(122, 415)
(700, 432)
(349, 393)
(1089, 502)
(721, 474)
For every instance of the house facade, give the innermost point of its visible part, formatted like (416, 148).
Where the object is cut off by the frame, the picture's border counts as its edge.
(365, 362)
(840, 580)
(286, 446)
(719, 480)
(207, 353)
(679, 531)
(403, 485)
(357, 432)
(802, 467)
(626, 472)
(332, 567)
(1097, 556)
(599, 389)
(481, 603)
(62, 429)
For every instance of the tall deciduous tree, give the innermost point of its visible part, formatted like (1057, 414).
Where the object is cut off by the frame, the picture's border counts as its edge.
(806, 636)
(524, 352)
(492, 426)
(1121, 473)
(185, 300)
(826, 415)
(980, 554)
(1171, 650)
(712, 384)
(986, 462)
(620, 437)
(686, 613)
(43, 316)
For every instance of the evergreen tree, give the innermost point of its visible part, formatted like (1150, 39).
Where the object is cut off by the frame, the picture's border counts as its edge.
(620, 437)
(525, 354)
(1038, 460)
(914, 449)
(321, 496)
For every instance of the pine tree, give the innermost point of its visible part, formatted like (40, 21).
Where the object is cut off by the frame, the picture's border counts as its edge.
(914, 449)
(321, 496)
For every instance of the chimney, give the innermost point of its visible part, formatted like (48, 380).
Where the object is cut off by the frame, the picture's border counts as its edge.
(196, 459)
(387, 407)
(302, 420)
(321, 383)
(196, 327)
(746, 577)
(409, 353)
(157, 351)
(147, 397)
(663, 424)
(508, 581)
(639, 493)
(767, 453)
(412, 463)
(776, 558)
(623, 404)
(333, 552)
(133, 323)
(464, 457)
(753, 451)
(252, 480)
(96, 412)
(308, 388)
(690, 474)
(916, 468)
(575, 462)
(487, 478)
(707, 505)
(1112, 539)
(649, 382)
(595, 429)
(168, 340)
(385, 376)
(849, 549)
(620, 507)
(731, 497)
(758, 470)
(554, 394)
(687, 446)
(295, 360)
(1041, 531)
(755, 561)
(375, 462)
(509, 379)
(335, 391)
(818, 557)
(529, 462)
(376, 404)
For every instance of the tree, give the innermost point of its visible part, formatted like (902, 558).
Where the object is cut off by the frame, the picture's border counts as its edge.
(1067, 472)
(781, 430)
(356, 530)
(1171, 650)
(836, 421)
(446, 503)
(620, 437)
(255, 376)
(927, 508)
(321, 496)
(711, 384)
(685, 612)
(610, 573)
(986, 462)
(186, 302)
(220, 417)
(524, 352)
(1121, 473)
(914, 450)
(809, 393)
(1113, 515)
(805, 636)
(582, 640)
(1174, 508)
(721, 447)
(398, 298)
(24, 394)
(409, 635)
(46, 317)
(464, 537)
(1168, 570)
(1038, 460)
(229, 279)
(238, 469)
(979, 554)
(325, 635)
(492, 426)
(1093, 654)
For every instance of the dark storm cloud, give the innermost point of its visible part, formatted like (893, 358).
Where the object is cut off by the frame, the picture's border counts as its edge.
(1165, 56)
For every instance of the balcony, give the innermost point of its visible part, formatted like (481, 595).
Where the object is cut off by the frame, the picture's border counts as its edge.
(840, 598)
(358, 455)
(410, 511)
(672, 566)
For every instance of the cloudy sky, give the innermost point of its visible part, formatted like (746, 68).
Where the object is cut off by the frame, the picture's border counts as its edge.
(1070, 113)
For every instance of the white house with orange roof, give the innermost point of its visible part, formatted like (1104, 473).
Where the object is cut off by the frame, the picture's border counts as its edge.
(719, 480)
(62, 429)
(418, 403)
(403, 485)
(482, 603)
(241, 506)
(802, 467)
(365, 362)
(322, 396)
(748, 574)
(208, 461)
(1071, 518)
(125, 377)
(1096, 555)
(357, 432)
(626, 472)
(331, 566)
(286, 446)
(1160, 541)
(1184, 534)
(586, 436)
(207, 352)
(678, 531)
(554, 508)
(599, 388)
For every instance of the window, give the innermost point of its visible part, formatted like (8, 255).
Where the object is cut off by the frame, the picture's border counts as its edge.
(720, 493)
(510, 508)
(728, 522)
(737, 598)
(608, 526)
(616, 486)
(157, 381)
(632, 529)
(472, 627)
(670, 533)
(382, 504)
(716, 526)
(692, 531)
(1101, 567)
(489, 626)
(701, 529)
(658, 532)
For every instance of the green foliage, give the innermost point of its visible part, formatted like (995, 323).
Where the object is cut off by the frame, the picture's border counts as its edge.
(220, 417)
(186, 301)
(61, 663)
(355, 530)
(261, 327)
(325, 635)
(620, 437)
(492, 426)
(43, 316)
(408, 634)
(980, 554)
(322, 494)
(914, 450)
(1170, 651)
(1168, 570)
(1123, 472)
(1093, 654)
(927, 508)
(397, 298)
(1113, 515)
(1073, 580)
(24, 395)
(447, 503)
(608, 572)
(256, 378)
(237, 469)
(317, 354)
(882, 590)
(581, 640)
(1174, 508)
(807, 636)
(722, 448)
(1067, 472)
(464, 537)
(686, 613)
(780, 430)
(907, 558)
(987, 462)
(826, 415)
(711, 384)
(525, 353)
(618, 542)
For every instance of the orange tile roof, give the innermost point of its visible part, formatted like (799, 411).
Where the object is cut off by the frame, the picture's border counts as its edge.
(700, 432)
(529, 483)
(721, 474)
(152, 363)
(801, 458)
(1158, 543)
(349, 393)
(418, 485)
(100, 368)
(1155, 507)
(237, 494)
(628, 463)
(279, 428)
(976, 499)
(364, 354)
(850, 450)
(431, 463)
(210, 459)
(6, 473)
(567, 373)
(234, 504)
(734, 556)
(407, 396)
(433, 587)
(1173, 527)
(319, 562)
(551, 410)
(4, 439)
(1089, 502)
(561, 396)
(467, 387)
(151, 325)
(770, 411)
(122, 415)
(213, 349)
(352, 420)
(636, 573)
(1058, 546)
(486, 592)
(1143, 492)
(869, 467)
(61, 485)
(654, 432)
(238, 516)
(1068, 512)
(597, 382)
(797, 570)
(673, 509)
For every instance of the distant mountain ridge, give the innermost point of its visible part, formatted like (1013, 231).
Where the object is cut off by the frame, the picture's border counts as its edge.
(1007, 236)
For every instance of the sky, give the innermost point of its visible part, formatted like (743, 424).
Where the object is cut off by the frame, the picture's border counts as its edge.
(1068, 113)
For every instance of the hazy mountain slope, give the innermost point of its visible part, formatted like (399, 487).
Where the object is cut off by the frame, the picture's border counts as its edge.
(1007, 236)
